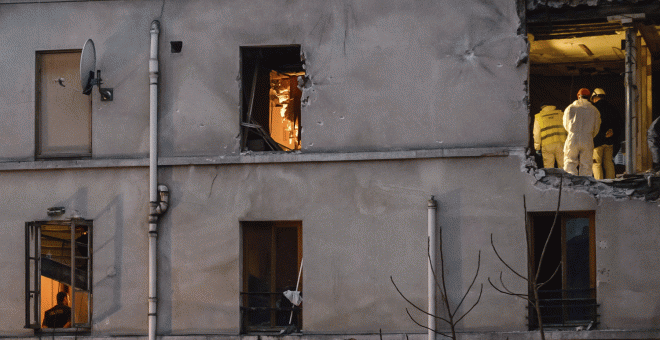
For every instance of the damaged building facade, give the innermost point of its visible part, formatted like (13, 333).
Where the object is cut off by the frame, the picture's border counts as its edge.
(298, 144)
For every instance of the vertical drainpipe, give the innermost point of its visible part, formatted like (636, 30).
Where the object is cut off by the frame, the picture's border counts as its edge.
(153, 177)
(631, 100)
(432, 235)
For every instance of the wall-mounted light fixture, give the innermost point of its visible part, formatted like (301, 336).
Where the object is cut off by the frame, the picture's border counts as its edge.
(55, 211)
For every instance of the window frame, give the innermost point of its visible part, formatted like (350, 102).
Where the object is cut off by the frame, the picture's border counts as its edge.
(244, 300)
(562, 218)
(39, 152)
(253, 61)
(33, 273)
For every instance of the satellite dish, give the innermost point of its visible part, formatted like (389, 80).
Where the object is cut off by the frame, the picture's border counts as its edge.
(87, 70)
(87, 66)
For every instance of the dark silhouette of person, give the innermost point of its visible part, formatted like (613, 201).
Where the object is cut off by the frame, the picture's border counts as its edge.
(60, 315)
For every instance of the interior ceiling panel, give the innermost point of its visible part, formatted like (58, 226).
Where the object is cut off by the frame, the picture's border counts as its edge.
(577, 50)
(586, 43)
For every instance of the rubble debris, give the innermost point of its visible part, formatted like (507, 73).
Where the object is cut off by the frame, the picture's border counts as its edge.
(645, 186)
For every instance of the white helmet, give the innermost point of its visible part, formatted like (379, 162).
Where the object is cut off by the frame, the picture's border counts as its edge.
(598, 92)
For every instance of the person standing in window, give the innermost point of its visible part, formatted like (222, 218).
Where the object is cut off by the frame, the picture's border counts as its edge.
(581, 121)
(550, 135)
(60, 315)
(610, 131)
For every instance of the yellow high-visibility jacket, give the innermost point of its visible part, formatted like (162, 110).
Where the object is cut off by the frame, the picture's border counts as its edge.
(548, 127)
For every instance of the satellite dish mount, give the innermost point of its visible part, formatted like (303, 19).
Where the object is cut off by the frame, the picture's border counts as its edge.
(87, 71)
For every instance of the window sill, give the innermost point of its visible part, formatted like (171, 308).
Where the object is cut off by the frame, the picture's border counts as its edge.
(263, 158)
(63, 331)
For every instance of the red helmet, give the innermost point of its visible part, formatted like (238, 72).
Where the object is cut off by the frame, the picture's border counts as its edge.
(583, 92)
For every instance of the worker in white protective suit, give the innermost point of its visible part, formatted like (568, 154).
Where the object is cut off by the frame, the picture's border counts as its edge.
(581, 121)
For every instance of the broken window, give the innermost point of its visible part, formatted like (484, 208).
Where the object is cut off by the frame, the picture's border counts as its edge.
(63, 113)
(568, 298)
(606, 46)
(272, 258)
(271, 98)
(58, 262)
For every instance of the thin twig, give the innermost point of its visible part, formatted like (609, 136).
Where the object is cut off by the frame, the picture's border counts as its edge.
(412, 304)
(474, 305)
(499, 257)
(528, 243)
(522, 296)
(431, 266)
(444, 285)
(551, 277)
(507, 288)
(420, 325)
(471, 284)
(554, 223)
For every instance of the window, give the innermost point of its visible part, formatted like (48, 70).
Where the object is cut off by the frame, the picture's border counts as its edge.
(58, 258)
(271, 98)
(63, 113)
(568, 299)
(272, 258)
(586, 46)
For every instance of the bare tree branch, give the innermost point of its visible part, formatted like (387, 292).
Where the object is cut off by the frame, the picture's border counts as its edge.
(506, 264)
(522, 296)
(444, 287)
(420, 325)
(528, 243)
(412, 304)
(471, 308)
(435, 277)
(551, 277)
(471, 284)
(532, 270)
(507, 288)
(440, 285)
(554, 223)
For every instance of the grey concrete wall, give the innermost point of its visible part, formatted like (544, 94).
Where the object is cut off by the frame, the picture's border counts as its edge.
(362, 222)
(381, 75)
(115, 201)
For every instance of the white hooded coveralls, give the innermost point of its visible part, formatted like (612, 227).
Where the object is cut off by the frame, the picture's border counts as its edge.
(581, 121)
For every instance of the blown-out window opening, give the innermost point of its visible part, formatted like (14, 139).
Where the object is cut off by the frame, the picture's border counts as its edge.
(271, 119)
(608, 48)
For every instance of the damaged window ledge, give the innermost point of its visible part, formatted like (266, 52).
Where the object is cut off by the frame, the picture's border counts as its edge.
(644, 186)
(264, 158)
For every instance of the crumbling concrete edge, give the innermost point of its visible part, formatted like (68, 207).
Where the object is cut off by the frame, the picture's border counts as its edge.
(643, 187)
